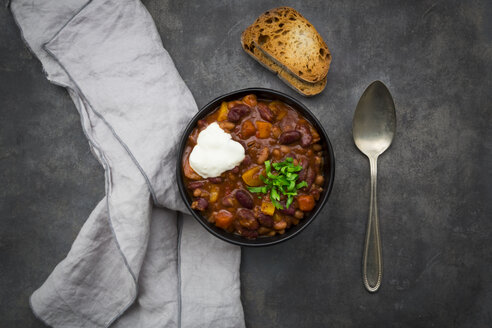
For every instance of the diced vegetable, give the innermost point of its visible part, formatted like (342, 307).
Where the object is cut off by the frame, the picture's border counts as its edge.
(267, 208)
(223, 111)
(252, 177)
(264, 129)
(306, 202)
(214, 193)
(247, 129)
(223, 219)
(275, 106)
(281, 114)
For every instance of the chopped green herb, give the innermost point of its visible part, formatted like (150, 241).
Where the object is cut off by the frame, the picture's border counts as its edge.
(302, 184)
(283, 181)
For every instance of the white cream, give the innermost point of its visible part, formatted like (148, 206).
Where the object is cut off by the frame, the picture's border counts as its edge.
(215, 152)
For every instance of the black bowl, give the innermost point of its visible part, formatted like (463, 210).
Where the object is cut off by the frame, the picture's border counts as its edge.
(329, 167)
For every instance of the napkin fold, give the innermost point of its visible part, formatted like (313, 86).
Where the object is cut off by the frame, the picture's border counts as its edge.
(139, 260)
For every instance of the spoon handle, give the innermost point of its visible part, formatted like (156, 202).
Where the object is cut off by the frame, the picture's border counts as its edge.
(372, 266)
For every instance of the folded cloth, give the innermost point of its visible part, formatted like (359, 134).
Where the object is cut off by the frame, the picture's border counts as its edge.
(136, 262)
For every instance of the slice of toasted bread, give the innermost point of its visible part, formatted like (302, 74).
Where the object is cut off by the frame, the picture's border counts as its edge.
(301, 86)
(292, 42)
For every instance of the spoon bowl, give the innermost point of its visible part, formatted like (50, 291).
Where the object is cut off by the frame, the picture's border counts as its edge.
(373, 129)
(374, 121)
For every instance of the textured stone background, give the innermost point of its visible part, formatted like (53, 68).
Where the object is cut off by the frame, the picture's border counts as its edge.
(434, 185)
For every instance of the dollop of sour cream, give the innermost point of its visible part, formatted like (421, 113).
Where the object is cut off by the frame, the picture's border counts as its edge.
(215, 152)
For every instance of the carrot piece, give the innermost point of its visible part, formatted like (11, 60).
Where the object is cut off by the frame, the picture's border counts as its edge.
(247, 129)
(223, 219)
(264, 129)
(306, 202)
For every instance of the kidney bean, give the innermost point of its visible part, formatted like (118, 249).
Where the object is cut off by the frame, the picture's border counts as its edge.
(200, 204)
(288, 123)
(227, 201)
(249, 233)
(311, 175)
(265, 112)
(265, 220)
(289, 137)
(235, 170)
(244, 198)
(247, 219)
(244, 213)
(196, 184)
(215, 180)
(236, 112)
(302, 173)
(306, 137)
(246, 161)
(288, 211)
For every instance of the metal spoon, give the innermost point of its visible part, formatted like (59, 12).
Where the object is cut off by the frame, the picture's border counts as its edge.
(373, 129)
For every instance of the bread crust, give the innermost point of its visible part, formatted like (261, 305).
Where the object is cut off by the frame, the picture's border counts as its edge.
(303, 87)
(292, 42)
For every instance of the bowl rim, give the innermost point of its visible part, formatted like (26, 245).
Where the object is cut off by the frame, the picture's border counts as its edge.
(224, 235)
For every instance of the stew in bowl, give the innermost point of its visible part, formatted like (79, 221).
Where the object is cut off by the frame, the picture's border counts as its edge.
(254, 167)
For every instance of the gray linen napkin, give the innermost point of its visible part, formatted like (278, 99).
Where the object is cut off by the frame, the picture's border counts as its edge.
(132, 264)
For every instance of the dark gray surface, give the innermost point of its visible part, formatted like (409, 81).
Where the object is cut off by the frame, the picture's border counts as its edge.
(434, 181)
